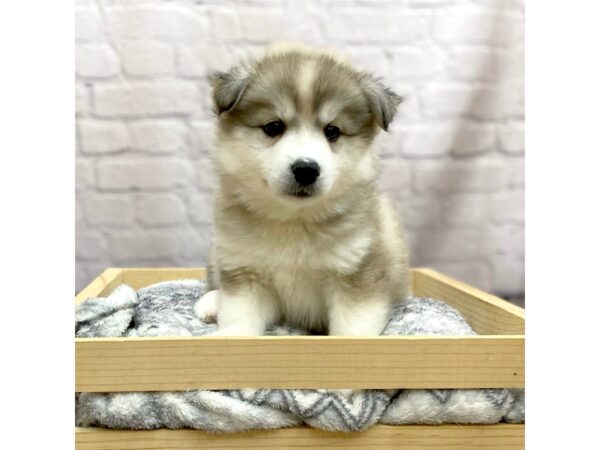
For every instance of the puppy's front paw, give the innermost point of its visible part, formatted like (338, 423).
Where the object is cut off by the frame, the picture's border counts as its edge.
(207, 307)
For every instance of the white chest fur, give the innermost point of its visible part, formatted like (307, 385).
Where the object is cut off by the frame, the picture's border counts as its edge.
(272, 248)
(297, 258)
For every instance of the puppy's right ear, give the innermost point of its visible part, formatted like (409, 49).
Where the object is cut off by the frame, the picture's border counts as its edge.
(383, 101)
(227, 89)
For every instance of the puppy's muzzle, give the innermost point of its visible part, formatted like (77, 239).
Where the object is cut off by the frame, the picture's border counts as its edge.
(306, 171)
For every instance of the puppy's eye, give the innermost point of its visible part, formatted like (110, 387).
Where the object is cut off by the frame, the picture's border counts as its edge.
(274, 129)
(332, 133)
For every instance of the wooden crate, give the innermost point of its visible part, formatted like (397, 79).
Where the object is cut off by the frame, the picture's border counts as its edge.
(493, 359)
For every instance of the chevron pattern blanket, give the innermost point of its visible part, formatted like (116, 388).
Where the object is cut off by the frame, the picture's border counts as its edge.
(166, 309)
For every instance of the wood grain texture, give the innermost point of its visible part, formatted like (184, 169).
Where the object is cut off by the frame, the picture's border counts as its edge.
(380, 437)
(311, 362)
(102, 285)
(486, 313)
(138, 278)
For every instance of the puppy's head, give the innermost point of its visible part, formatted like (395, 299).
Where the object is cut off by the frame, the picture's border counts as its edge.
(296, 127)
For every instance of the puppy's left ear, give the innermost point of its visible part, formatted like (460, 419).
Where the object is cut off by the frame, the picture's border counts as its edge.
(227, 89)
(383, 101)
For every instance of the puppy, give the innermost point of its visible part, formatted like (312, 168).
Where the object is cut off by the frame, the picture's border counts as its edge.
(302, 234)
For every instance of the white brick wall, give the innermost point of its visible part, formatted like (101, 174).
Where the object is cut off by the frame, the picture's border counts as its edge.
(453, 162)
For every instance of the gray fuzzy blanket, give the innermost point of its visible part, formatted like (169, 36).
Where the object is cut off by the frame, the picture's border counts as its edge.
(166, 309)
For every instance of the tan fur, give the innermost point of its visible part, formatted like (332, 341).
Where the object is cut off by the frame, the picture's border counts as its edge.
(333, 263)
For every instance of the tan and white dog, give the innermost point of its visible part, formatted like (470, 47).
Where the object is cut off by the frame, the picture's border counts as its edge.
(302, 234)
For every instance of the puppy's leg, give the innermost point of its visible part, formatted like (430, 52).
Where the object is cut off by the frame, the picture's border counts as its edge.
(246, 311)
(351, 316)
(207, 307)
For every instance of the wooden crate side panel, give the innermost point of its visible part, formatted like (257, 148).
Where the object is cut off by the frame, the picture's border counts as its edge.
(380, 437)
(102, 285)
(486, 313)
(310, 362)
(140, 277)
(496, 315)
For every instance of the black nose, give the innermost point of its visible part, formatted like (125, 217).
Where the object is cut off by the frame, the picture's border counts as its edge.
(306, 171)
